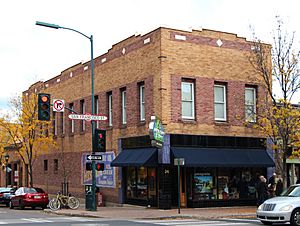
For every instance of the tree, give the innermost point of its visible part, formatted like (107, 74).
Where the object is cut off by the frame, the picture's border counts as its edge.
(279, 120)
(28, 135)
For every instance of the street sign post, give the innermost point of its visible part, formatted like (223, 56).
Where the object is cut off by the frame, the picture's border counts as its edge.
(88, 117)
(179, 162)
(94, 157)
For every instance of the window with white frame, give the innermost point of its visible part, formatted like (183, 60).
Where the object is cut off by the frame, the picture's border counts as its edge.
(123, 94)
(96, 100)
(54, 123)
(110, 113)
(142, 102)
(72, 123)
(187, 100)
(220, 102)
(82, 111)
(250, 104)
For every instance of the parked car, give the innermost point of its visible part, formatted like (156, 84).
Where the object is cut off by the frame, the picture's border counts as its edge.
(31, 197)
(5, 194)
(281, 209)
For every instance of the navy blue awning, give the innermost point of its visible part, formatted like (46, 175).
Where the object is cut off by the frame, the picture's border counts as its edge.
(221, 157)
(136, 157)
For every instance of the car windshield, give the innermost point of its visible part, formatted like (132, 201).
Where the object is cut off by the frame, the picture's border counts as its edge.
(293, 191)
(33, 190)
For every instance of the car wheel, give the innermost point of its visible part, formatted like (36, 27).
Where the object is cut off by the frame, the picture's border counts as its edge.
(33, 207)
(43, 207)
(7, 204)
(266, 222)
(295, 217)
(11, 205)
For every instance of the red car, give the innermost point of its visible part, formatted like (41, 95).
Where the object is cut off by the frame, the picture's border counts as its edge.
(32, 197)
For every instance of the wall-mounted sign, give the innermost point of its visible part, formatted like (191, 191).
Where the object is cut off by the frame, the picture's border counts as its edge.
(156, 132)
(105, 178)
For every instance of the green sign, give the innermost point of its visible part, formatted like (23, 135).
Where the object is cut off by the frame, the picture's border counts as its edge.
(156, 131)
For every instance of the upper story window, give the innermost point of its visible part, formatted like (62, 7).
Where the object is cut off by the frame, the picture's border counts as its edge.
(187, 100)
(142, 102)
(123, 95)
(54, 123)
(110, 113)
(62, 123)
(72, 123)
(250, 104)
(220, 102)
(45, 165)
(82, 111)
(96, 105)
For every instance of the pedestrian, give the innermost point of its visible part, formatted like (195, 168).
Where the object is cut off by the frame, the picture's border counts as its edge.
(262, 190)
(279, 187)
(272, 185)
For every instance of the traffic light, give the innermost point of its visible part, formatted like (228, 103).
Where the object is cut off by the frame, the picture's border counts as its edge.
(89, 166)
(100, 141)
(44, 106)
(99, 166)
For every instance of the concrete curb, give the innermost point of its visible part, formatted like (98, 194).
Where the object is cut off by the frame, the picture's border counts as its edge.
(180, 216)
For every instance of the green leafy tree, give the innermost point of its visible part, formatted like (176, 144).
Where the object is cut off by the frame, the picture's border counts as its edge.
(27, 134)
(279, 120)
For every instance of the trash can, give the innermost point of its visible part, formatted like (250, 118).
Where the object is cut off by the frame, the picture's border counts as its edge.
(100, 201)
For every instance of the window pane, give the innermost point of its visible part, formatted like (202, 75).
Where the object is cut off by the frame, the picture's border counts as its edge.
(249, 96)
(186, 91)
(187, 109)
(219, 111)
(219, 94)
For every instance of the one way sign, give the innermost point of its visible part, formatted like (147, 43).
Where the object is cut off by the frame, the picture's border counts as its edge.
(94, 157)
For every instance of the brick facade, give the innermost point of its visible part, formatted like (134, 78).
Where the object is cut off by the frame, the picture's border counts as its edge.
(159, 60)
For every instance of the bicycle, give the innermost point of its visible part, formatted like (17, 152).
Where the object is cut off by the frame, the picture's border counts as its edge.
(65, 201)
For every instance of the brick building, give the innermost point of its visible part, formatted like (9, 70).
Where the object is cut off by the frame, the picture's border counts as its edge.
(203, 89)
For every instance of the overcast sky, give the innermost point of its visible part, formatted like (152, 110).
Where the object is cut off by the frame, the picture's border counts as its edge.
(30, 53)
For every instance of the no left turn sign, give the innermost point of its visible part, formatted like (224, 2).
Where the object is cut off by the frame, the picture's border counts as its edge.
(58, 105)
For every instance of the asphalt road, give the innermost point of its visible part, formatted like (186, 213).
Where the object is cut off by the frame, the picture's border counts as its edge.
(37, 217)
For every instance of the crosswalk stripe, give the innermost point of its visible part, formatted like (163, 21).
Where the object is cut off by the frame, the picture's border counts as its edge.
(37, 220)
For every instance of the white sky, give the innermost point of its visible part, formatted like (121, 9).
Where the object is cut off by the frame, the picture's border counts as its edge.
(29, 53)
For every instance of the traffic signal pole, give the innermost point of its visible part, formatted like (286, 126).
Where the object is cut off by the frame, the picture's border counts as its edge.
(55, 26)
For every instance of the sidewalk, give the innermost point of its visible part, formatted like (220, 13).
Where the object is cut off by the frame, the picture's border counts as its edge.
(138, 212)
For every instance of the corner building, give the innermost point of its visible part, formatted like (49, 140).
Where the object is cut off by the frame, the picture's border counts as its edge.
(202, 87)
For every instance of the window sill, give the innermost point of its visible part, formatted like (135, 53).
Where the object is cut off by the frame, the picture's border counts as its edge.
(82, 132)
(71, 135)
(141, 123)
(221, 123)
(62, 135)
(188, 121)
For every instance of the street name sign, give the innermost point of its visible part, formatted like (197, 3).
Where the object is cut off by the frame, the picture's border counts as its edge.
(88, 117)
(94, 157)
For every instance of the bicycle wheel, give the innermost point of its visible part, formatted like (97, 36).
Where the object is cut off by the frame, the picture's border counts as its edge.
(73, 202)
(54, 204)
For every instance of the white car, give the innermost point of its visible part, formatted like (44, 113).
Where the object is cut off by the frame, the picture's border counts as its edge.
(281, 209)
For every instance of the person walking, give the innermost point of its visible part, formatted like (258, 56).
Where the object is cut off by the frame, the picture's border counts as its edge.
(262, 190)
(279, 187)
(272, 185)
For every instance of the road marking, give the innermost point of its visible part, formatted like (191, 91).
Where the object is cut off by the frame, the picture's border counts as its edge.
(37, 220)
(192, 222)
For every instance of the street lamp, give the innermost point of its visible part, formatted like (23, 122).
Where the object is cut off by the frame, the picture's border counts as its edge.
(6, 157)
(55, 26)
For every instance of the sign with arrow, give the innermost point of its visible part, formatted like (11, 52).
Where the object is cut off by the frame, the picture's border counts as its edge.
(94, 157)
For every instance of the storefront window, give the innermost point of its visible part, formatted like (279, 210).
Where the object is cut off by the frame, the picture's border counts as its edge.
(136, 183)
(223, 183)
(131, 182)
(142, 183)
